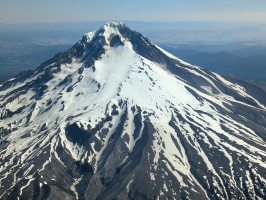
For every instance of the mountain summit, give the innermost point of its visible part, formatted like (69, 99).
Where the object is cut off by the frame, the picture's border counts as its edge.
(117, 117)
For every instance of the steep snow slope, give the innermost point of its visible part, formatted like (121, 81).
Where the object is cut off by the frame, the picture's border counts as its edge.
(118, 117)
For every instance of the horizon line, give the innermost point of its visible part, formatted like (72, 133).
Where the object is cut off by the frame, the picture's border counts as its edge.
(98, 21)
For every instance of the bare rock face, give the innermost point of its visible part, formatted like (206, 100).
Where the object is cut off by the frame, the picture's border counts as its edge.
(117, 117)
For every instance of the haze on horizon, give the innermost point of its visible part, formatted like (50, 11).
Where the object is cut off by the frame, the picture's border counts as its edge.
(32, 11)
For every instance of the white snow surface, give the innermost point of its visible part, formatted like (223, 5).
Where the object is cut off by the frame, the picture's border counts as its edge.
(123, 75)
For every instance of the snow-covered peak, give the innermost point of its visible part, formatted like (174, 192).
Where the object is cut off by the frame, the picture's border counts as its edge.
(113, 25)
(116, 112)
(109, 31)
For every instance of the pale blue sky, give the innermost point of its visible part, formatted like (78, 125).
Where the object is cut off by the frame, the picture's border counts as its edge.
(17, 11)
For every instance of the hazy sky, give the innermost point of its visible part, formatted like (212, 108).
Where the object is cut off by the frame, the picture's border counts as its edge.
(17, 11)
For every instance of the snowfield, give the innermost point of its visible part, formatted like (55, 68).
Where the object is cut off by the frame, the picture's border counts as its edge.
(117, 116)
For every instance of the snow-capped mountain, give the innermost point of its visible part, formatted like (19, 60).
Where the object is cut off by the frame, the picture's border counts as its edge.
(117, 117)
